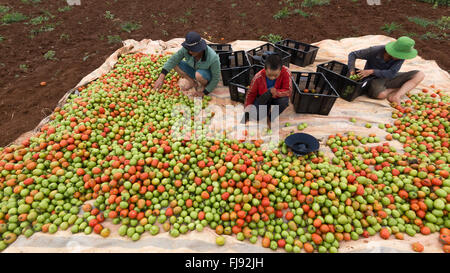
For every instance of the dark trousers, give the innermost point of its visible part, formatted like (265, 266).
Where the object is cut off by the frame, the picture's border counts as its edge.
(282, 103)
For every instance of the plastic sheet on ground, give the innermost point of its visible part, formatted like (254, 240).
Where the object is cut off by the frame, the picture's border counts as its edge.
(364, 109)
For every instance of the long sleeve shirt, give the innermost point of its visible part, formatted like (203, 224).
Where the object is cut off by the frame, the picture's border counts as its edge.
(375, 60)
(210, 60)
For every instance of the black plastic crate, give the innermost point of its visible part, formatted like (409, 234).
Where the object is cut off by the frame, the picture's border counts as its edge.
(256, 54)
(239, 84)
(233, 63)
(221, 48)
(302, 54)
(321, 101)
(337, 74)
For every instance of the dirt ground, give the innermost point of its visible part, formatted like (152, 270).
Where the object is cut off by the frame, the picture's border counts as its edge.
(80, 40)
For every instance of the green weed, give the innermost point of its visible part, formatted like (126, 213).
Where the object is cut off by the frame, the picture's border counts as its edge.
(38, 20)
(301, 12)
(13, 18)
(23, 67)
(109, 15)
(420, 21)
(283, 13)
(389, 28)
(50, 55)
(114, 39)
(312, 3)
(130, 26)
(272, 38)
(66, 8)
(4, 9)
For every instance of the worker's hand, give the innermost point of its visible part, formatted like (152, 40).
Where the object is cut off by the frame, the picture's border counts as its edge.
(274, 92)
(159, 82)
(352, 72)
(365, 73)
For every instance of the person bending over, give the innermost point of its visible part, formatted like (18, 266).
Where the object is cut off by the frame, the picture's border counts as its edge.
(195, 62)
(384, 62)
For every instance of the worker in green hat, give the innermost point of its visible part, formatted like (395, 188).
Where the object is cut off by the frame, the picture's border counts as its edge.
(383, 63)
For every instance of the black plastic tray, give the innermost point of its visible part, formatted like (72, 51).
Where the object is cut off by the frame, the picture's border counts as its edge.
(302, 54)
(337, 74)
(259, 51)
(239, 84)
(319, 102)
(233, 63)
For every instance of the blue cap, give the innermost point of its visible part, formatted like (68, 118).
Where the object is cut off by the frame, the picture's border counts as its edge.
(194, 42)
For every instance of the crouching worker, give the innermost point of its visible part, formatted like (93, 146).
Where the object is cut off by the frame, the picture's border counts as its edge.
(197, 63)
(384, 62)
(270, 86)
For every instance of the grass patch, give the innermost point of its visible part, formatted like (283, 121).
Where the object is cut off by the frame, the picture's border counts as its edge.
(109, 15)
(64, 37)
(301, 12)
(66, 8)
(48, 13)
(312, 3)
(39, 20)
(50, 55)
(44, 28)
(389, 28)
(443, 23)
(243, 14)
(283, 13)
(13, 18)
(4, 9)
(272, 38)
(436, 3)
(233, 5)
(31, 1)
(23, 67)
(130, 26)
(410, 34)
(188, 12)
(431, 35)
(420, 21)
(114, 39)
(164, 32)
(1, 38)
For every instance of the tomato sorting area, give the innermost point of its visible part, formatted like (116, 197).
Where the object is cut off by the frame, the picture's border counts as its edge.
(108, 151)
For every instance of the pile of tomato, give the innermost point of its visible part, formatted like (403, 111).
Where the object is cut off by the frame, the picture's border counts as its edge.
(109, 154)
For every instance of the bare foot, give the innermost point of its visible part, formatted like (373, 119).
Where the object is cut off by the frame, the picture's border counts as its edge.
(394, 99)
(185, 84)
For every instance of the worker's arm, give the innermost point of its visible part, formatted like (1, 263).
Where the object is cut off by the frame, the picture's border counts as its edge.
(358, 54)
(169, 65)
(286, 86)
(252, 92)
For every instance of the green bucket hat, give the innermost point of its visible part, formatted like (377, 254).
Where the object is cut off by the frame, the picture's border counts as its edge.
(403, 48)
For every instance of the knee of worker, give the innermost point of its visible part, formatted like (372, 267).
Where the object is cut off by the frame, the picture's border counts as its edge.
(200, 78)
(282, 103)
(419, 76)
(375, 88)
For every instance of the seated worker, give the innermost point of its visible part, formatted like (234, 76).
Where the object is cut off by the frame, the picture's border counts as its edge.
(195, 62)
(274, 78)
(384, 62)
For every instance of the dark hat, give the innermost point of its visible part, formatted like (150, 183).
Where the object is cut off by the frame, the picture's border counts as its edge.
(302, 144)
(194, 42)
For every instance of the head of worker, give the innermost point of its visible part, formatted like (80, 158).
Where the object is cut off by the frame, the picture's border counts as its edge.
(272, 65)
(194, 44)
(401, 49)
